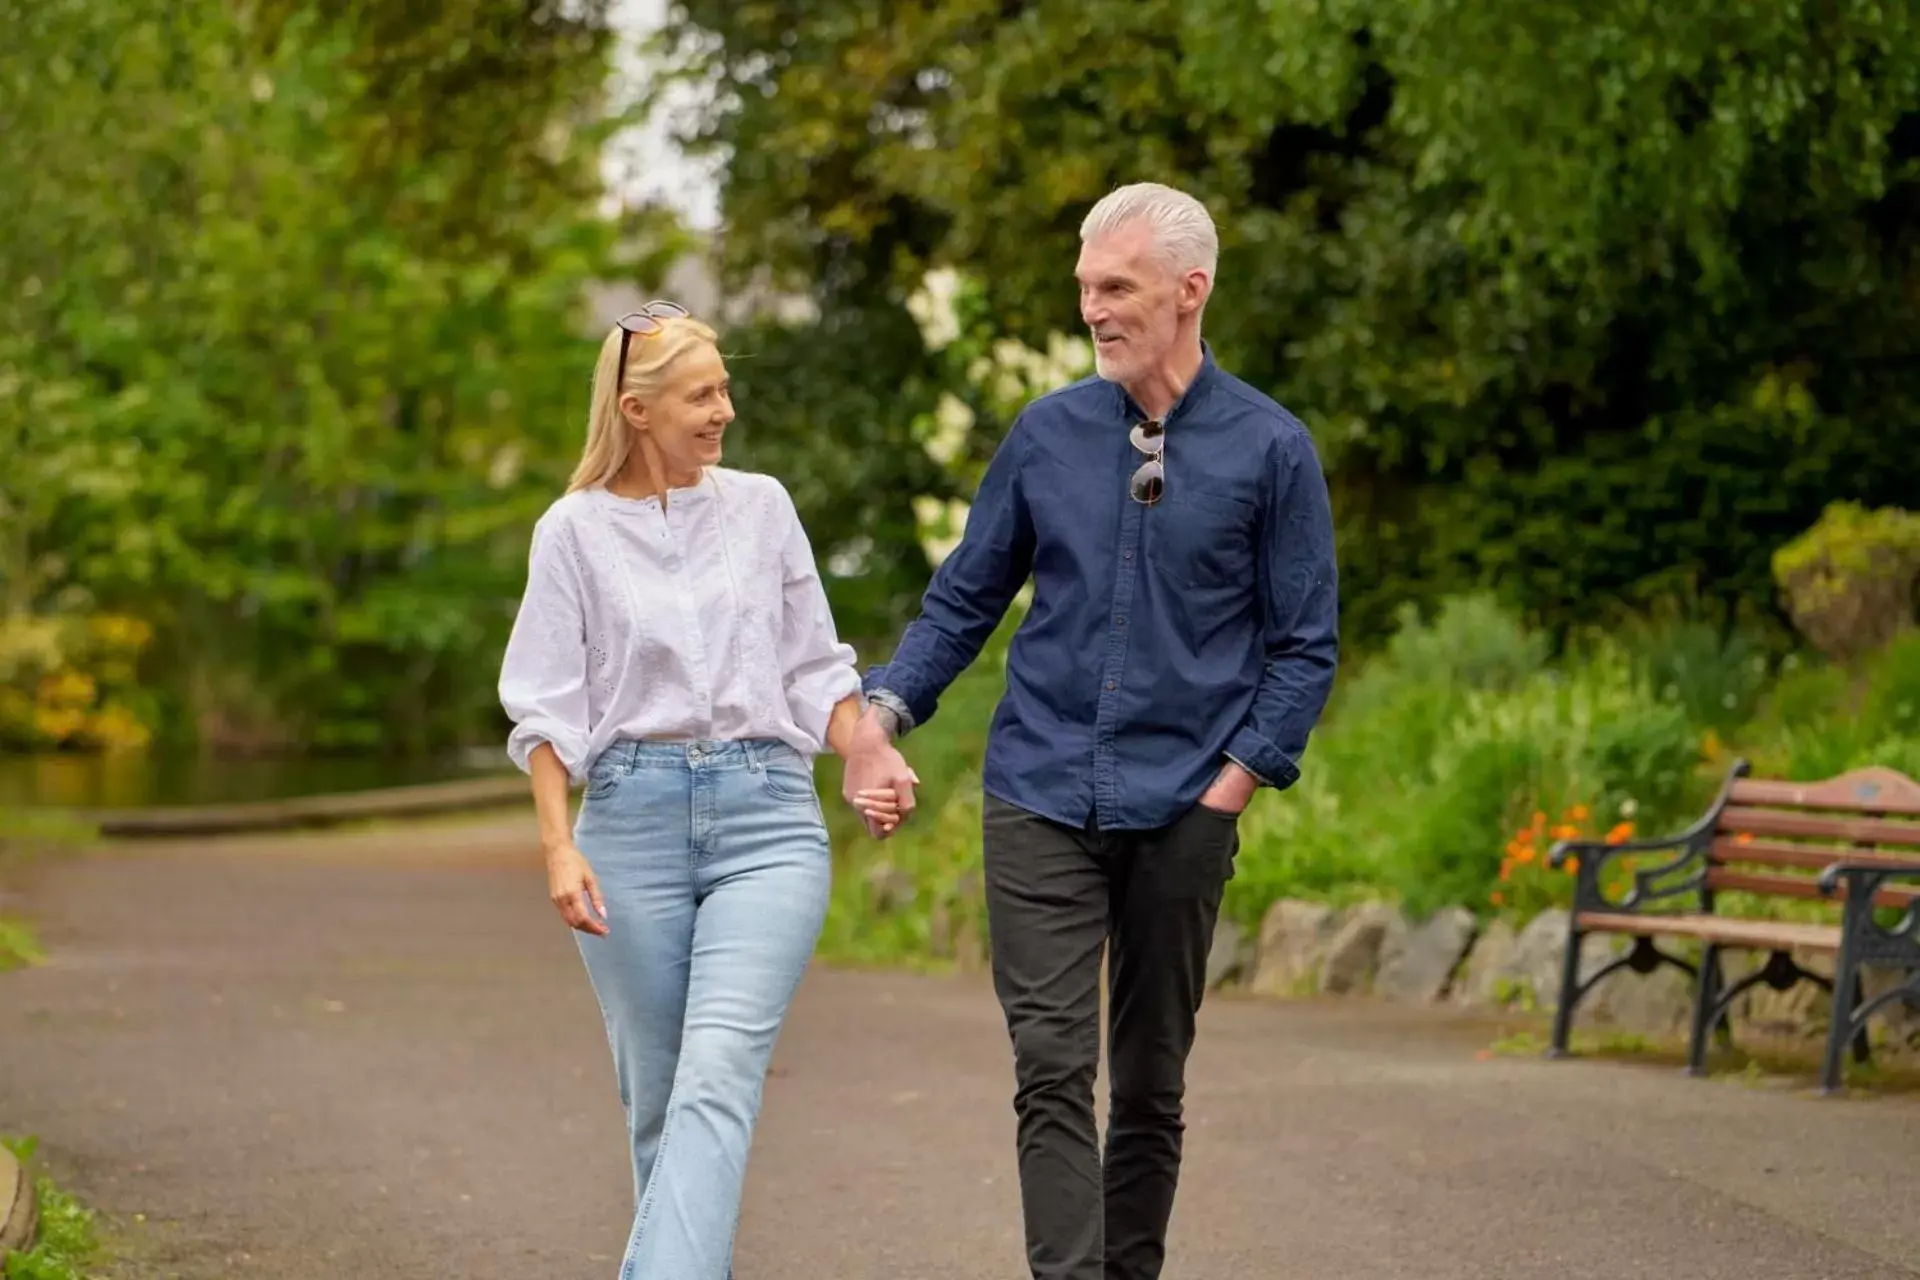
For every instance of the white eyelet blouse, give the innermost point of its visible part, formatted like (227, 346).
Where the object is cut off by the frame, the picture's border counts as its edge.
(705, 619)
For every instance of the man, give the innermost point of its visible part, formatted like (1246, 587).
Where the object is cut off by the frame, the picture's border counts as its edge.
(1179, 648)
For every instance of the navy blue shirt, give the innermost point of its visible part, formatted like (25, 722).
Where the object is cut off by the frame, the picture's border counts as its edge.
(1161, 641)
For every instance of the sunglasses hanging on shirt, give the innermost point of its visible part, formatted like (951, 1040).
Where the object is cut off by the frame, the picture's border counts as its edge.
(1150, 480)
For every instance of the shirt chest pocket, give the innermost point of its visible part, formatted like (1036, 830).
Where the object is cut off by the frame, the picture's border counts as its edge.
(1201, 540)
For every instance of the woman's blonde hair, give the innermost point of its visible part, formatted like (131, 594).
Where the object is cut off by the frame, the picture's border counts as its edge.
(649, 359)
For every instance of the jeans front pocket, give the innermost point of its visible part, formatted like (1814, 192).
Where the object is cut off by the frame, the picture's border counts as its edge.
(785, 776)
(604, 778)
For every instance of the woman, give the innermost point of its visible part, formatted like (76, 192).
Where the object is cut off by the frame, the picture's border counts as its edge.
(674, 653)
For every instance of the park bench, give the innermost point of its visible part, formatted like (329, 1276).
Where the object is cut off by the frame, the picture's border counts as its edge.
(1859, 832)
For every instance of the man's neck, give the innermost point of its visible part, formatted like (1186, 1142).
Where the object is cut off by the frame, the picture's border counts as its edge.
(1159, 389)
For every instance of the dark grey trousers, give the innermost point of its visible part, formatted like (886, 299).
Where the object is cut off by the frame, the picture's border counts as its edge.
(1055, 897)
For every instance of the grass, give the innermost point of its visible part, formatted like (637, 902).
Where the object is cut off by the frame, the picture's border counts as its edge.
(1463, 737)
(18, 946)
(67, 1244)
(1756, 1061)
(24, 836)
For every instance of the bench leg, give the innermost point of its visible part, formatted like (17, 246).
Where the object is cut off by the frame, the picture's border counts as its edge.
(1707, 1015)
(1845, 1021)
(1570, 993)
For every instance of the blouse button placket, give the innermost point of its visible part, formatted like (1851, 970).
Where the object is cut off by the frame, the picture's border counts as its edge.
(689, 620)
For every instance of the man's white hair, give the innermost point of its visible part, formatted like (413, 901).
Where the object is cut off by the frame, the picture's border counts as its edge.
(1183, 230)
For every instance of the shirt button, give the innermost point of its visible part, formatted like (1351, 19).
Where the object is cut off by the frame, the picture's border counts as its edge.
(1112, 685)
(1119, 622)
(1128, 555)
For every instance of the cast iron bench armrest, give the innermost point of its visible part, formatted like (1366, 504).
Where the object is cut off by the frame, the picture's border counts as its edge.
(1693, 843)
(1560, 850)
(1863, 875)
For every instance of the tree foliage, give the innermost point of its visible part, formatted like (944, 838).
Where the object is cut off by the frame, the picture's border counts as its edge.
(1593, 306)
(291, 349)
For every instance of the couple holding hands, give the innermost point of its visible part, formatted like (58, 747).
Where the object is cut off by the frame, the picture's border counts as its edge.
(674, 655)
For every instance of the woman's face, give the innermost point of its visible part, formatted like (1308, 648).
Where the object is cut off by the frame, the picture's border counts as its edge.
(689, 415)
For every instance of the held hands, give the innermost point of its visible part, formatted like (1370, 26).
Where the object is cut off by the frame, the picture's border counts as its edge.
(879, 809)
(878, 783)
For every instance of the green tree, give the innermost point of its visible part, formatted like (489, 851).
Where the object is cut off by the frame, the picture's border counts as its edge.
(286, 383)
(1590, 306)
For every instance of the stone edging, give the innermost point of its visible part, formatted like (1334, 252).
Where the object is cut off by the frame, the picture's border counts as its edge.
(1450, 959)
(19, 1213)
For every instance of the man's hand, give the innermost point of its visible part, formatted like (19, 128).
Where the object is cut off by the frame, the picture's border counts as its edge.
(1232, 791)
(875, 769)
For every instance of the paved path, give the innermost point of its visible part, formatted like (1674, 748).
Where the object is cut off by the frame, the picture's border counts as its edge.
(376, 1056)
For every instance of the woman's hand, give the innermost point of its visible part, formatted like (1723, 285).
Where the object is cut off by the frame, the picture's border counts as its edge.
(575, 892)
(879, 809)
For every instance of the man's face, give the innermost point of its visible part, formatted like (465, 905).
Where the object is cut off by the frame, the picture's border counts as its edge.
(1130, 300)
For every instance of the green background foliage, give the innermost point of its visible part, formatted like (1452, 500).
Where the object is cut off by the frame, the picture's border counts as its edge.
(292, 348)
(1593, 309)
(1593, 315)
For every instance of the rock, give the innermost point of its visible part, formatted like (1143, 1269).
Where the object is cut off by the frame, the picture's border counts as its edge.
(1354, 953)
(1523, 970)
(1657, 1004)
(1802, 1013)
(1538, 954)
(1488, 964)
(889, 888)
(1898, 1021)
(1293, 941)
(1798, 1013)
(1417, 962)
(1226, 958)
(19, 1214)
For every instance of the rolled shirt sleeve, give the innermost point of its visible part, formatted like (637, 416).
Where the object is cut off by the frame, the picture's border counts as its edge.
(818, 669)
(543, 675)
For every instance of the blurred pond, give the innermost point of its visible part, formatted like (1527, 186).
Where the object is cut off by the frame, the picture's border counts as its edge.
(137, 781)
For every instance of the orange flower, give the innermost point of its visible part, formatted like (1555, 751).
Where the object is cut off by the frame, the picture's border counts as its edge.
(1564, 832)
(1506, 872)
(1578, 813)
(1620, 833)
(1745, 837)
(1497, 899)
(1525, 855)
(1573, 865)
(1539, 819)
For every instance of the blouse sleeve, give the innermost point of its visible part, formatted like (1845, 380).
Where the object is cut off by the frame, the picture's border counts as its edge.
(819, 671)
(543, 676)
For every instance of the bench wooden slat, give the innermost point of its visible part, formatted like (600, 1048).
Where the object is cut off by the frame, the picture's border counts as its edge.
(1771, 935)
(1812, 857)
(1875, 790)
(1808, 826)
(1804, 887)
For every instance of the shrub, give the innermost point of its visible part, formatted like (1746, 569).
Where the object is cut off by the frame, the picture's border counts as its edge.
(1849, 580)
(1527, 885)
(68, 681)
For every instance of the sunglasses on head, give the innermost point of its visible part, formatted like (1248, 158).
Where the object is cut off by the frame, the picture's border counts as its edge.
(647, 322)
(1150, 481)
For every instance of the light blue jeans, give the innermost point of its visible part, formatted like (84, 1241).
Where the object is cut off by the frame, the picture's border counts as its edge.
(712, 858)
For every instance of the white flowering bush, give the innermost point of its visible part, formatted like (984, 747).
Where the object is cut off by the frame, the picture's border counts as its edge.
(993, 376)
